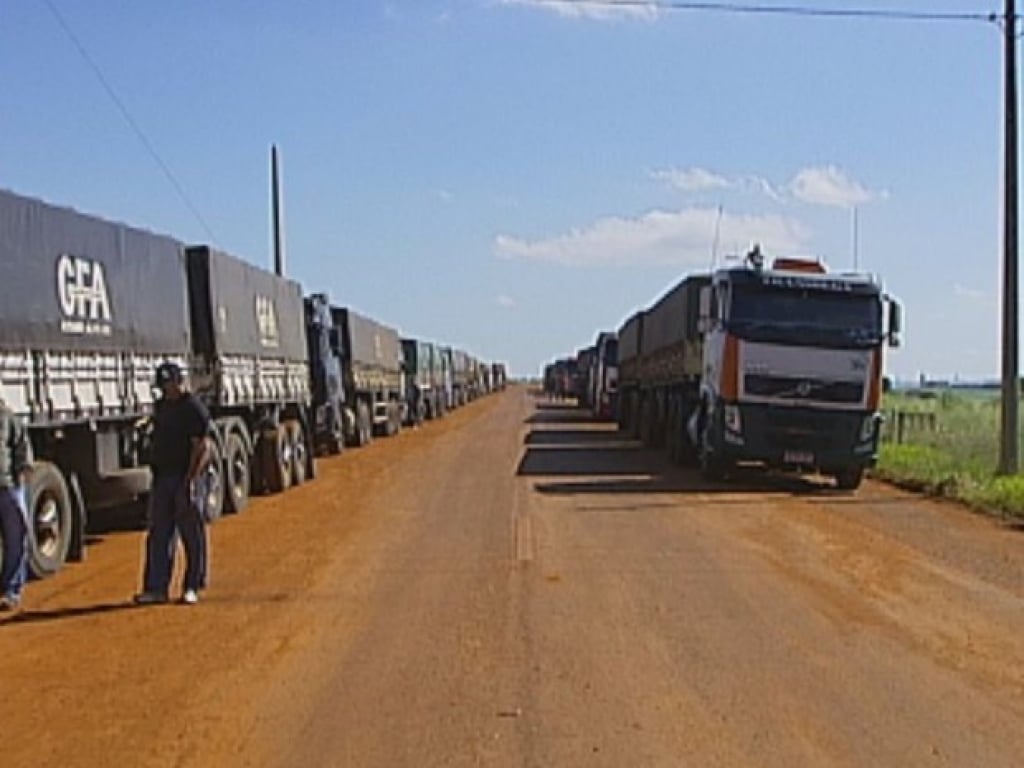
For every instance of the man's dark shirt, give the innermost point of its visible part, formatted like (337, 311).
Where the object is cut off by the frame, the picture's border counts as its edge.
(175, 424)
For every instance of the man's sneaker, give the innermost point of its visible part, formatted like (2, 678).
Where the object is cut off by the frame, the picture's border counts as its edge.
(150, 598)
(190, 597)
(9, 603)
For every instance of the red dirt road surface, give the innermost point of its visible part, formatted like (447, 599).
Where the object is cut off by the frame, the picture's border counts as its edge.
(517, 586)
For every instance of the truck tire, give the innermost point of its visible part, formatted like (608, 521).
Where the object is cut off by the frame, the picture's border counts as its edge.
(276, 459)
(711, 467)
(237, 474)
(334, 444)
(299, 455)
(364, 425)
(394, 422)
(51, 518)
(849, 478)
(215, 486)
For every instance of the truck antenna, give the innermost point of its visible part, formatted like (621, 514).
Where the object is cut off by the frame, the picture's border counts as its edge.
(716, 240)
(856, 240)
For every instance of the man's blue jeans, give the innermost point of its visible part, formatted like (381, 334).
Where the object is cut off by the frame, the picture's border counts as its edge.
(14, 531)
(172, 512)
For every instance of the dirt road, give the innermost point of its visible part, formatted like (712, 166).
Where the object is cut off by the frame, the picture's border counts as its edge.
(515, 586)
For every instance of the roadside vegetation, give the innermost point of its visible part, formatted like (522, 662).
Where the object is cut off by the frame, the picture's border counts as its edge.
(947, 443)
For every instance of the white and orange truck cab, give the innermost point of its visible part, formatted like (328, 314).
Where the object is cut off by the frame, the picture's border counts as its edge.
(792, 368)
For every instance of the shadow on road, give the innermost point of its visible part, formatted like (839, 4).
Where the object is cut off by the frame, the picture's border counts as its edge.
(31, 617)
(560, 413)
(569, 438)
(566, 442)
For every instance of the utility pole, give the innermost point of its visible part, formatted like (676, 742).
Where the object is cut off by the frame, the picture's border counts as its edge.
(1009, 439)
(275, 199)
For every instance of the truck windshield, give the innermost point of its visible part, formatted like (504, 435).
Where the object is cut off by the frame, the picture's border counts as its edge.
(809, 315)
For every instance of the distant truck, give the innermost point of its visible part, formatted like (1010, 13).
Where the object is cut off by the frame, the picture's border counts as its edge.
(582, 383)
(88, 309)
(371, 360)
(781, 366)
(604, 376)
(499, 376)
(461, 378)
(424, 381)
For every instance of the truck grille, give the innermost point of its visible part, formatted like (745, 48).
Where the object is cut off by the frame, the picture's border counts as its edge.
(804, 390)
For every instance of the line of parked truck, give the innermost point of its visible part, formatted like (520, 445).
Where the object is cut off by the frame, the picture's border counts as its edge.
(89, 308)
(779, 365)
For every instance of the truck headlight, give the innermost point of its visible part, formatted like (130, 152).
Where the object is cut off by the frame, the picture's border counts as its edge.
(731, 417)
(867, 428)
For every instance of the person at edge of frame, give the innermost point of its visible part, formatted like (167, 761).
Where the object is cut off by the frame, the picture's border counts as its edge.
(15, 461)
(180, 453)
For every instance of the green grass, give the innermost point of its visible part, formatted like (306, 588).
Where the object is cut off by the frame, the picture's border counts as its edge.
(952, 453)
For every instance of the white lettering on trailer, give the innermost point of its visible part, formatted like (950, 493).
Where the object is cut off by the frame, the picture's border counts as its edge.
(266, 322)
(83, 296)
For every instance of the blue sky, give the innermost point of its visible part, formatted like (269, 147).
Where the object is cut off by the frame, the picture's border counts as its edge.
(513, 177)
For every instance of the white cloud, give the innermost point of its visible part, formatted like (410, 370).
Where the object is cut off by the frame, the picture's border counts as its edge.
(692, 179)
(602, 11)
(444, 195)
(821, 185)
(506, 302)
(830, 186)
(966, 292)
(702, 180)
(682, 238)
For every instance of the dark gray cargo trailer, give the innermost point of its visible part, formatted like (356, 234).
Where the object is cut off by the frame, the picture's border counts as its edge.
(250, 366)
(671, 365)
(372, 371)
(88, 309)
(630, 335)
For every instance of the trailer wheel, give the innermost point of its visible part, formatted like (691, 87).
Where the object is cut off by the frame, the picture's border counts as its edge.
(50, 519)
(276, 459)
(236, 474)
(214, 486)
(299, 456)
(848, 478)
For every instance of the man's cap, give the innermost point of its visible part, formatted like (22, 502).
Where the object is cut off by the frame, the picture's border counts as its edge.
(167, 373)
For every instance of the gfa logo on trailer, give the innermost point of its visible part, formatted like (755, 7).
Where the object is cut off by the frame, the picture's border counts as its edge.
(83, 296)
(266, 322)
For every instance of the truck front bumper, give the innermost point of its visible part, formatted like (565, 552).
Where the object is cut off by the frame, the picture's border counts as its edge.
(808, 438)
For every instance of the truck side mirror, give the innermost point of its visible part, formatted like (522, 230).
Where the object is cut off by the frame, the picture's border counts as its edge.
(704, 311)
(895, 323)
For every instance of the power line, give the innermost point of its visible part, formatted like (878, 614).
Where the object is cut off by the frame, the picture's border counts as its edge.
(129, 119)
(892, 14)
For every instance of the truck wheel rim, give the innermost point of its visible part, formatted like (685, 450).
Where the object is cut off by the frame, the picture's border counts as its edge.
(213, 492)
(47, 526)
(237, 479)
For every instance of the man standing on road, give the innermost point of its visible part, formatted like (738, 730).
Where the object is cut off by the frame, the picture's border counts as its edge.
(15, 459)
(180, 454)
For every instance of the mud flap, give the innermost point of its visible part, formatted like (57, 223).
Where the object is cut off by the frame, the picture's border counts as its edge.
(76, 547)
